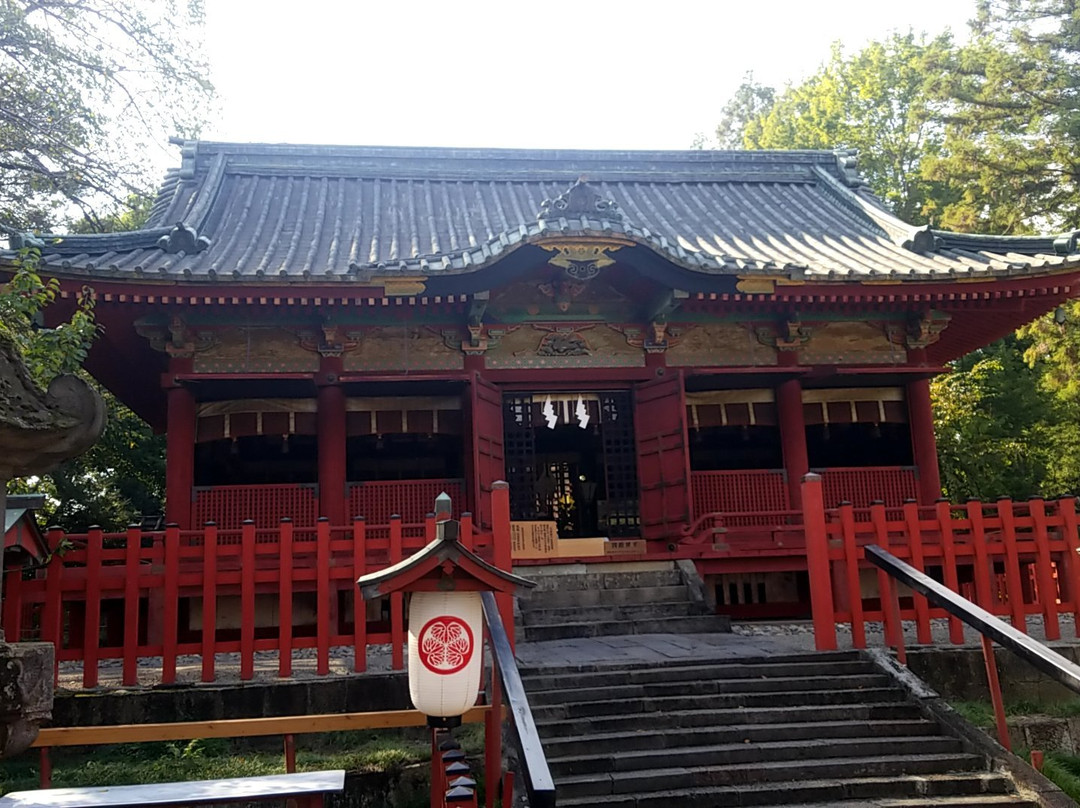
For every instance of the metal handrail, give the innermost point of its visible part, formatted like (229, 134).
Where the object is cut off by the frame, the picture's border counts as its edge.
(538, 782)
(1041, 657)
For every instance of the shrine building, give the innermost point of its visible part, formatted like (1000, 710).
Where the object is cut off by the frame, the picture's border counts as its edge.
(633, 340)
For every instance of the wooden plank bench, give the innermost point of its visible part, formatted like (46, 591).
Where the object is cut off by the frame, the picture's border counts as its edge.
(307, 788)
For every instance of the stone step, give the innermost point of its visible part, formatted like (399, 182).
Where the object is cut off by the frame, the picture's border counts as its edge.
(608, 666)
(704, 687)
(751, 754)
(646, 707)
(585, 614)
(926, 789)
(981, 801)
(699, 624)
(693, 671)
(553, 728)
(640, 783)
(554, 579)
(575, 598)
(715, 735)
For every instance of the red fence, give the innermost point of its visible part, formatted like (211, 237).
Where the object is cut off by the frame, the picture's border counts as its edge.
(228, 506)
(862, 486)
(135, 595)
(733, 492)
(1012, 559)
(409, 499)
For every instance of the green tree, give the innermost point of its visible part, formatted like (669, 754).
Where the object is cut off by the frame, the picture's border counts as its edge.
(123, 475)
(994, 424)
(877, 101)
(89, 89)
(1012, 122)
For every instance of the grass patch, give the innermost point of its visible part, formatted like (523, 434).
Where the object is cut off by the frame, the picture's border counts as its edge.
(1064, 771)
(981, 713)
(210, 759)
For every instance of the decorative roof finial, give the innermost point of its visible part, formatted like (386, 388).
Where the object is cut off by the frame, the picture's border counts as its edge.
(580, 199)
(183, 239)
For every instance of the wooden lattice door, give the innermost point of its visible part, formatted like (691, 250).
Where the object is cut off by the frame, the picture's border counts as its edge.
(663, 457)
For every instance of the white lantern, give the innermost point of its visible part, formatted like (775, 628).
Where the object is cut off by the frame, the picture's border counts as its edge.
(445, 637)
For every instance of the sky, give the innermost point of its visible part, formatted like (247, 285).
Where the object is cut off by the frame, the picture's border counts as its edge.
(621, 74)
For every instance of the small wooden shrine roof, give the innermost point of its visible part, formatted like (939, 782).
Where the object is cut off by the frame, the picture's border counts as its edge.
(285, 214)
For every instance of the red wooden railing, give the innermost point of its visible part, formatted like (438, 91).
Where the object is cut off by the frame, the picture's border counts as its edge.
(228, 506)
(735, 492)
(410, 499)
(138, 596)
(1011, 559)
(862, 486)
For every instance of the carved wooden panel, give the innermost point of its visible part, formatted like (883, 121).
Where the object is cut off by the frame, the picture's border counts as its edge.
(717, 344)
(564, 346)
(853, 342)
(256, 349)
(402, 348)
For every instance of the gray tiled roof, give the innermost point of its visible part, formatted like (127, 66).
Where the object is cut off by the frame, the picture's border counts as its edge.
(342, 213)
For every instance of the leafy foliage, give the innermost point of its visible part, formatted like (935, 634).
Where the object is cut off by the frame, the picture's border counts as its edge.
(975, 137)
(877, 101)
(88, 88)
(48, 352)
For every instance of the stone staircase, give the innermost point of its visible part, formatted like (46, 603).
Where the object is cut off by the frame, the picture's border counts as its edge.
(595, 600)
(799, 731)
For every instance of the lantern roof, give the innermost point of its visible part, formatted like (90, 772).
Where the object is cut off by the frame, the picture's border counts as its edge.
(443, 565)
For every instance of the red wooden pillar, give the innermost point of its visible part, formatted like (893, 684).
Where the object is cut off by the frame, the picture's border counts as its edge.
(179, 449)
(331, 427)
(921, 422)
(789, 412)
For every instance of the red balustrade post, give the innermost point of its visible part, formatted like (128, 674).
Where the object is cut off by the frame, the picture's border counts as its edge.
(13, 606)
(330, 418)
(132, 556)
(171, 611)
(285, 598)
(46, 768)
(493, 739)
(1047, 588)
(921, 421)
(247, 600)
(1012, 564)
(789, 413)
(503, 551)
(943, 512)
(983, 592)
(1067, 509)
(92, 614)
(359, 534)
(323, 609)
(53, 613)
(209, 602)
(180, 449)
(397, 601)
(913, 529)
(854, 581)
(995, 692)
(890, 611)
(817, 563)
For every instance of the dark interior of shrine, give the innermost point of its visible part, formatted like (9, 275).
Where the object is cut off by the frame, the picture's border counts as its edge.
(257, 460)
(404, 456)
(570, 484)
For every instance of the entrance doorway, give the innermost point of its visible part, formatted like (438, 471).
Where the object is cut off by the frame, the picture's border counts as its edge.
(571, 459)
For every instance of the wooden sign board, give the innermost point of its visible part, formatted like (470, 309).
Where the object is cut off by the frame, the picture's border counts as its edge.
(534, 540)
(582, 548)
(625, 547)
